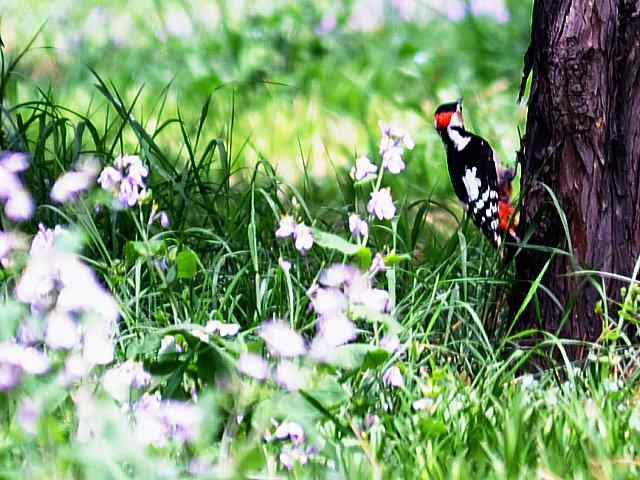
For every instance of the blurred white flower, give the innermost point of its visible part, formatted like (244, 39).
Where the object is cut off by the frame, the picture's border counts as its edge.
(338, 274)
(18, 203)
(336, 329)
(71, 184)
(10, 376)
(285, 265)
(281, 340)
(303, 238)
(491, 8)
(392, 144)
(253, 365)
(223, 329)
(168, 345)
(290, 430)
(76, 367)
(286, 227)
(363, 169)
(119, 380)
(381, 204)
(377, 265)
(328, 301)
(292, 454)
(358, 226)
(28, 415)
(90, 421)
(393, 377)
(423, 404)
(109, 178)
(98, 342)
(62, 331)
(327, 24)
(390, 343)
(290, 376)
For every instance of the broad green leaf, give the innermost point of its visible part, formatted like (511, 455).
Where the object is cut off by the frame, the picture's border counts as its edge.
(334, 242)
(187, 262)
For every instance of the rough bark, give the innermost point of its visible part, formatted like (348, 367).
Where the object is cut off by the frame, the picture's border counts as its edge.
(582, 141)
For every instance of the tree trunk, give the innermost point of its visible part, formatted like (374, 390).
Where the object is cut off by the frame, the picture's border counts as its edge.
(583, 142)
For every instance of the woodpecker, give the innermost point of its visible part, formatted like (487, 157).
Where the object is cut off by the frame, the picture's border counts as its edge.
(479, 179)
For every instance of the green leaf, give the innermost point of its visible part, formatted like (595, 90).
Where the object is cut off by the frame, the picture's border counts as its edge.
(394, 259)
(187, 262)
(334, 242)
(363, 258)
(151, 248)
(357, 356)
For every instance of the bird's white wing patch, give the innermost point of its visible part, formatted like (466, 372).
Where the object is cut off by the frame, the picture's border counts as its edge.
(471, 183)
(459, 141)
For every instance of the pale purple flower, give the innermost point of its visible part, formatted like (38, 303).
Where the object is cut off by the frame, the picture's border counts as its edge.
(371, 420)
(119, 380)
(392, 160)
(183, 419)
(390, 343)
(328, 301)
(393, 377)
(292, 454)
(290, 430)
(381, 204)
(336, 330)
(223, 329)
(71, 184)
(98, 342)
(253, 365)
(285, 265)
(14, 162)
(358, 226)
(28, 415)
(363, 169)
(377, 265)
(338, 274)
(394, 136)
(290, 376)
(281, 340)
(201, 467)
(62, 331)
(423, 404)
(19, 205)
(327, 24)
(126, 180)
(164, 219)
(286, 227)
(109, 178)
(90, 420)
(492, 8)
(303, 238)
(10, 376)
(9, 241)
(76, 367)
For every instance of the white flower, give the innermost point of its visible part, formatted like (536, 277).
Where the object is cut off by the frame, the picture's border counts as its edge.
(290, 376)
(119, 380)
(390, 343)
(290, 430)
(62, 330)
(281, 339)
(393, 377)
(381, 204)
(71, 184)
(286, 227)
(357, 225)
(423, 404)
(285, 265)
(303, 237)
(336, 329)
(253, 365)
(223, 329)
(363, 169)
(392, 160)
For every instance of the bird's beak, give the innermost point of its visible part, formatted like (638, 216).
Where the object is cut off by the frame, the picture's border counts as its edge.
(459, 103)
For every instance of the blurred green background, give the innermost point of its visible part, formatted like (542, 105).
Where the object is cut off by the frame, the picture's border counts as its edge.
(302, 84)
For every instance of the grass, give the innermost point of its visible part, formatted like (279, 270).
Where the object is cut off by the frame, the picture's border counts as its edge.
(226, 164)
